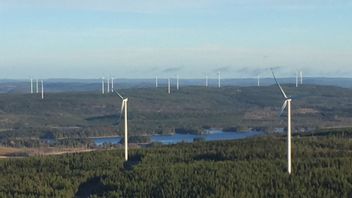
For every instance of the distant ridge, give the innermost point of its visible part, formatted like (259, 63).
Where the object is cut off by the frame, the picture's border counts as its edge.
(88, 85)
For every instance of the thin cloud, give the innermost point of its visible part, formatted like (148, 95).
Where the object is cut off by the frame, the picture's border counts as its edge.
(145, 70)
(172, 69)
(251, 70)
(275, 68)
(222, 69)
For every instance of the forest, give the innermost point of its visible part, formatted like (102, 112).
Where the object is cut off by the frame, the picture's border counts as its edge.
(254, 167)
(25, 119)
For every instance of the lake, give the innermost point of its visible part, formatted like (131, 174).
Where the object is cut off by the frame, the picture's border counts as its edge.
(211, 135)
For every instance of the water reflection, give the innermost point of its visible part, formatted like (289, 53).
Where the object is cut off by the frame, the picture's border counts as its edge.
(212, 135)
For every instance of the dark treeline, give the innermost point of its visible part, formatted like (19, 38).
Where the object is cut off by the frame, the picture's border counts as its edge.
(245, 168)
(49, 136)
(59, 132)
(340, 132)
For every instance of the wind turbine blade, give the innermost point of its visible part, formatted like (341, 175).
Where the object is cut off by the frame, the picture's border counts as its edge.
(283, 108)
(278, 84)
(118, 94)
(122, 107)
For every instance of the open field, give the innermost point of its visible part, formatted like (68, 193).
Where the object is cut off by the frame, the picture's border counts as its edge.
(10, 152)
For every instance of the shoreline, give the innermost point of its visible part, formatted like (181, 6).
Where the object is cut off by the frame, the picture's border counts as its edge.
(12, 153)
(104, 136)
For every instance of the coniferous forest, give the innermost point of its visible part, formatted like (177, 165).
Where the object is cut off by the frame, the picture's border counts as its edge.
(205, 96)
(244, 168)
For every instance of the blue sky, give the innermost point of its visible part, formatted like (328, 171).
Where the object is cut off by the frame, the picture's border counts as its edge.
(141, 39)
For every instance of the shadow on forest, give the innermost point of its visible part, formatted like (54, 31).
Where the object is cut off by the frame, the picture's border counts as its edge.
(209, 157)
(133, 160)
(89, 187)
(113, 118)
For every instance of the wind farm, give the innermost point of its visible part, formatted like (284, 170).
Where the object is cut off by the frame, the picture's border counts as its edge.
(92, 117)
(175, 99)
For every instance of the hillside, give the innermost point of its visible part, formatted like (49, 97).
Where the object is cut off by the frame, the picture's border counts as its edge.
(154, 111)
(245, 168)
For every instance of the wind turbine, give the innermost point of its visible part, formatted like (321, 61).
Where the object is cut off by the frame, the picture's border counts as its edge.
(108, 84)
(287, 103)
(124, 109)
(102, 86)
(42, 89)
(296, 78)
(258, 80)
(206, 80)
(156, 81)
(301, 74)
(112, 84)
(31, 85)
(37, 86)
(219, 80)
(168, 86)
(177, 82)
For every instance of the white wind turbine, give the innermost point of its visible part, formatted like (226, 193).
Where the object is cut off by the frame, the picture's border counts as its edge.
(296, 78)
(288, 104)
(42, 89)
(258, 80)
(301, 74)
(31, 85)
(124, 109)
(219, 79)
(177, 82)
(108, 84)
(168, 86)
(37, 86)
(206, 80)
(156, 81)
(102, 86)
(112, 84)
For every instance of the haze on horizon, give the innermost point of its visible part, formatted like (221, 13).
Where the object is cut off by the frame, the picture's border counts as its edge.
(141, 39)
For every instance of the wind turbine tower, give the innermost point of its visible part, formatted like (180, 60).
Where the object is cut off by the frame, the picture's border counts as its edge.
(168, 86)
(102, 85)
(156, 81)
(219, 80)
(177, 82)
(301, 74)
(112, 84)
(31, 85)
(108, 84)
(258, 80)
(42, 89)
(287, 103)
(206, 80)
(124, 109)
(37, 86)
(297, 79)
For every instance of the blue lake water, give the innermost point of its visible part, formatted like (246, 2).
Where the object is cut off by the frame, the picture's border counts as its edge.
(212, 135)
(107, 140)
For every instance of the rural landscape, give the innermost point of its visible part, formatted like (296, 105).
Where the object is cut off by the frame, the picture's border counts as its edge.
(72, 118)
(51, 151)
(174, 98)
